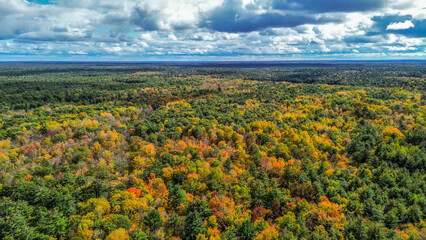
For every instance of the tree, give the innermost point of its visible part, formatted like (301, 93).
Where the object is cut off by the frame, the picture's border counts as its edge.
(246, 231)
(138, 235)
(414, 214)
(194, 225)
(392, 218)
(177, 196)
(356, 229)
(115, 221)
(372, 211)
(153, 220)
(119, 234)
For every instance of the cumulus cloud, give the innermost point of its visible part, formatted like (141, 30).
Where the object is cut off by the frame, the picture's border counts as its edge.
(329, 5)
(233, 16)
(400, 25)
(214, 29)
(146, 18)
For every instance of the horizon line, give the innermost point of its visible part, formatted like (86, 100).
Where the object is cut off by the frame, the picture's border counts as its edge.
(213, 61)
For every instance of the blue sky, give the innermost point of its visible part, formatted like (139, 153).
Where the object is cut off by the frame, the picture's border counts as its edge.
(146, 30)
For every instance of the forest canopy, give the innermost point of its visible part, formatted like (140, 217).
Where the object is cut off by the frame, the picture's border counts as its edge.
(213, 151)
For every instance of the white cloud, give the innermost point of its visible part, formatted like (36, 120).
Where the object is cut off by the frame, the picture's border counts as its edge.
(400, 25)
(162, 27)
(395, 48)
(172, 37)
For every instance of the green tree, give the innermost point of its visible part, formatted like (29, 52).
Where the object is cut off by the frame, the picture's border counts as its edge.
(194, 225)
(153, 220)
(246, 231)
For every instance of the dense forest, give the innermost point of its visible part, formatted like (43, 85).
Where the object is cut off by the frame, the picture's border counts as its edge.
(213, 151)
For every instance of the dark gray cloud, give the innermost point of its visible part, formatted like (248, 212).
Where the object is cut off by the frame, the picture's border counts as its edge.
(56, 34)
(324, 6)
(362, 39)
(8, 9)
(146, 18)
(115, 19)
(153, 19)
(232, 16)
(181, 25)
(12, 29)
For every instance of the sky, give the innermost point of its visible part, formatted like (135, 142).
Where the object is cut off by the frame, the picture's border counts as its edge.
(197, 30)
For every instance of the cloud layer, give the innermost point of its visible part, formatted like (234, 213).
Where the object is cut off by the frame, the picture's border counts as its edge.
(211, 30)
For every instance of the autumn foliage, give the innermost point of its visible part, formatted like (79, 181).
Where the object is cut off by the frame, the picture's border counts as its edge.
(168, 152)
